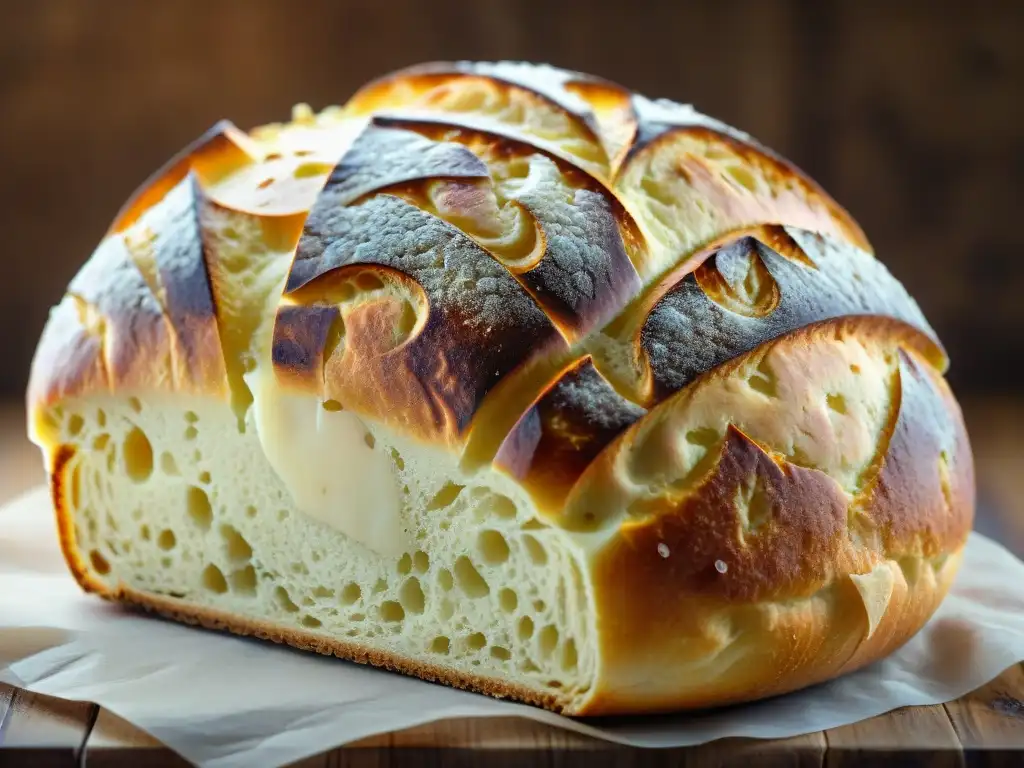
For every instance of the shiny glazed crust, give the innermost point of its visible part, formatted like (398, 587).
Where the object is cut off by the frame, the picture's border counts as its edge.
(546, 274)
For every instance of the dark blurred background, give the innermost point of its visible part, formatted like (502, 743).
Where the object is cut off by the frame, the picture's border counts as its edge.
(910, 113)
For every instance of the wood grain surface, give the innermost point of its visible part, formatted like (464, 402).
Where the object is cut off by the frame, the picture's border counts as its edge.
(984, 728)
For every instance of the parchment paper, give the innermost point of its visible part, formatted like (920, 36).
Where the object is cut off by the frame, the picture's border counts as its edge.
(224, 701)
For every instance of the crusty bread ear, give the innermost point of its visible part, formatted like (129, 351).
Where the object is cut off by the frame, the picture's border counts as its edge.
(503, 376)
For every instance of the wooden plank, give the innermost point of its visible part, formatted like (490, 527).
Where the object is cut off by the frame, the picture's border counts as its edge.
(116, 743)
(44, 731)
(35, 720)
(504, 740)
(903, 737)
(992, 717)
(6, 697)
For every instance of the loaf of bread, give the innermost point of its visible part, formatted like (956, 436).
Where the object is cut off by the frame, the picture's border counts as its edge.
(509, 378)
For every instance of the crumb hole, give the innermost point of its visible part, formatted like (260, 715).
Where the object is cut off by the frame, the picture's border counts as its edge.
(405, 564)
(265, 183)
(397, 458)
(238, 548)
(75, 424)
(350, 593)
(308, 170)
(145, 533)
(538, 555)
(380, 586)
(214, 580)
(332, 405)
(99, 443)
(742, 176)
(525, 628)
(138, 455)
(500, 653)
(391, 611)
(99, 563)
(285, 600)
(445, 580)
(540, 606)
(837, 403)
(503, 506)
(311, 621)
(570, 658)
(440, 645)
(508, 600)
(101, 417)
(476, 641)
(135, 404)
(492, 547)
(469, 579)
(323, 593)
(191, 417)
(855, 369)
(199, 509)
(244, 581)
(421, 562)
(191, 433)
(547, 640)
(250, 511)
(166, 540)
(763, 380)
(168, 465)
(411, 595)
(445, 497)
(370, 440)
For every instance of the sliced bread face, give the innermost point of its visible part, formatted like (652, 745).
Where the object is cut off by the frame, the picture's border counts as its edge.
(166, 504)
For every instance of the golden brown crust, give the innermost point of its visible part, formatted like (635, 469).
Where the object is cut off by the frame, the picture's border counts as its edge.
(796, 199)
(921, 501)
(218, 151)
(752, 545)
(531, 267)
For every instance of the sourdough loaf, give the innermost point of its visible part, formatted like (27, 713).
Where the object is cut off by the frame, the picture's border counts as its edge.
(509, 378)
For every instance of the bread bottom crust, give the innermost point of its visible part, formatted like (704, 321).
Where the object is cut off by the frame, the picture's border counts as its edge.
(209, 618)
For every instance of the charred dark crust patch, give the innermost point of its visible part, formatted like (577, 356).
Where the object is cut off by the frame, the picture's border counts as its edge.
(843, 282)
(298, 350)
(563, 432)
(382, 156)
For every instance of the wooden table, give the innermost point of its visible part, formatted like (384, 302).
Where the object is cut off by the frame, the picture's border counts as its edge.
(984, 728)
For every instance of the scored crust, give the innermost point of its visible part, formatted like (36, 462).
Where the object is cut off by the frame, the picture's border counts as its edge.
(528, 269)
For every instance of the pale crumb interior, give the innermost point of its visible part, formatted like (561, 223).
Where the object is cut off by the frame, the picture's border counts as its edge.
(174, 500)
